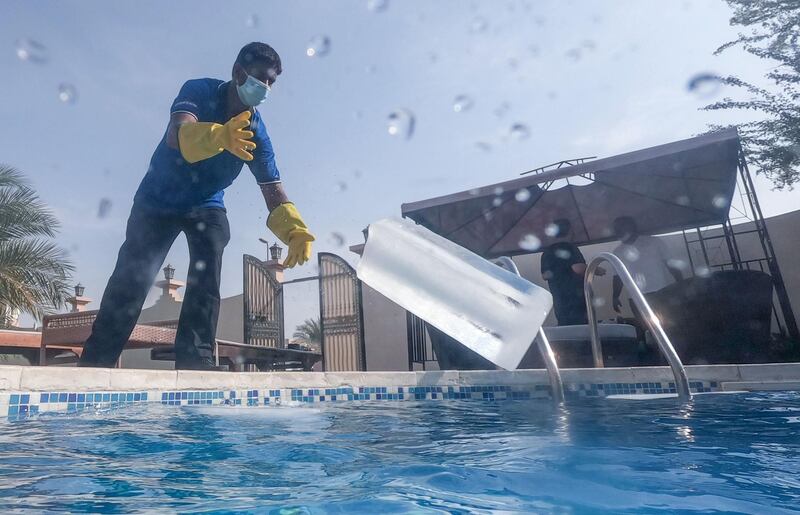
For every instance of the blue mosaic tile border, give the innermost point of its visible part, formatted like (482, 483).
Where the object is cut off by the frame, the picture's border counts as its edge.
(224, 397)
(18, 405)
(604, 389)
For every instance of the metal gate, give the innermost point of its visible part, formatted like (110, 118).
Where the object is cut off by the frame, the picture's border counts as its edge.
(263, 305)
(341, 316)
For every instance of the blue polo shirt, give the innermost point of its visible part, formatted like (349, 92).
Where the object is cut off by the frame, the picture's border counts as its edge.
(174, 185)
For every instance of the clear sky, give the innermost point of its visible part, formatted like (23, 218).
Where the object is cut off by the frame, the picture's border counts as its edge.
(576, 78)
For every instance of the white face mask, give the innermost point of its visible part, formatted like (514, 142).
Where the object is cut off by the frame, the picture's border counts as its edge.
(253, 91)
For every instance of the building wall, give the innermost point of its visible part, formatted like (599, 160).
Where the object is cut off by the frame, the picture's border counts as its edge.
(165, 308)
(384, 332)
(231, 324)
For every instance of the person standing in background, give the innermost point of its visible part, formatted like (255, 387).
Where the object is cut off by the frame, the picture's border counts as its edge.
(646, 258)
(563, 267)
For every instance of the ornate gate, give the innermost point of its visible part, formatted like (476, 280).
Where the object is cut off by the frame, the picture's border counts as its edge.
(341, 317)
(263, 305)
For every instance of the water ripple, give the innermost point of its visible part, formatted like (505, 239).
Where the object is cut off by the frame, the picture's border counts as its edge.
(728, 452)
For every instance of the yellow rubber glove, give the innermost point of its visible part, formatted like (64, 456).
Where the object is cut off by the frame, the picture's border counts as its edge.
(202, 140)
(285, 222)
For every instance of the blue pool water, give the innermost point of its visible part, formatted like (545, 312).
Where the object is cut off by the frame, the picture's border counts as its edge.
(728, 453)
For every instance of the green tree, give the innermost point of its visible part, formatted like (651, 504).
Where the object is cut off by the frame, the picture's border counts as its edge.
(772, 141)
(309, 331)
(34, 272)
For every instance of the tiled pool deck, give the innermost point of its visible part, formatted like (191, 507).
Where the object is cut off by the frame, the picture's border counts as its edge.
(26, 391)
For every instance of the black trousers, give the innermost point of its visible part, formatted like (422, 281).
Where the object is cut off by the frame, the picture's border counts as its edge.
(569, 306)
(148, 238)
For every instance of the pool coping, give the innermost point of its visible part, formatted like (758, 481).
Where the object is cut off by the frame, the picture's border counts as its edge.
(26, 391)
(36, 379)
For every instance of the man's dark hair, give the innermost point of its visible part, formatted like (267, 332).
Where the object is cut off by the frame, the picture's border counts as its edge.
(260, 53)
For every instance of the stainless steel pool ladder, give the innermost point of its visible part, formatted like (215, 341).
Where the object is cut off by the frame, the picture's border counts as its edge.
(650, 318)
(556, 385)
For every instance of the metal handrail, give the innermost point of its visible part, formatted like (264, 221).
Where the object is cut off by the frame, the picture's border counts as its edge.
(650, 318)
(556, 385)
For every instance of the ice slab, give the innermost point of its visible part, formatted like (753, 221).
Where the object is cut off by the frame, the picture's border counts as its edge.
(488, 309)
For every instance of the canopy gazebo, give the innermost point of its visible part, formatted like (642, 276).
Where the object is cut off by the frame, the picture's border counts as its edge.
(681, 186)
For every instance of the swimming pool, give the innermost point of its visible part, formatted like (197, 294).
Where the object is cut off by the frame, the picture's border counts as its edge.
(727, 452)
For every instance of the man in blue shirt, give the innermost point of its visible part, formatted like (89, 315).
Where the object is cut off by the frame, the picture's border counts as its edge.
(213, 130)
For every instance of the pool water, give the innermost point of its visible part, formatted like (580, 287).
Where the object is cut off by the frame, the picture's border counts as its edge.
(728, 453)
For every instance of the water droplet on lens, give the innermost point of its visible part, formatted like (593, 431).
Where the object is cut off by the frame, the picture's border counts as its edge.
(683, 200)
(702, 271)
(401, 123)
(679, 264)
(497, 202)
(318, 46)
(474, 191)
(563, 254)
(31, 51)
(574, 54)
(530, 243)
(67, 93)
(340, 187)
(632, 254)
(502, 109)
(103, 208)
(336, 239)
(482, 145)
(201, 226)
(478, 25)
(462, 103)
(720, 202)
(598, 302)
(519, 131)
(252, 21)
(377, 6)
(704, 85)
(522, 195)
(200, 265)
(551, 230)
(498, 190)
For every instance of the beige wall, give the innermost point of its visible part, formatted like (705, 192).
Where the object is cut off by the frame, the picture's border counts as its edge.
(384, 332)
(165, 308)
(231, 325)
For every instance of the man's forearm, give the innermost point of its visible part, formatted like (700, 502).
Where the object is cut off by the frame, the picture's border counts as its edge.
(274, 195)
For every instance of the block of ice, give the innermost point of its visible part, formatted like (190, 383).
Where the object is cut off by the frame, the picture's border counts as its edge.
(488, 309)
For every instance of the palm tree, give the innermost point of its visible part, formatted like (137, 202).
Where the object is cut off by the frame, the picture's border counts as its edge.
(309, 331)
(34, 272)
